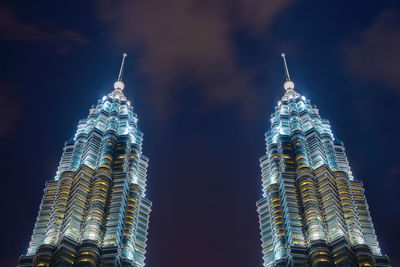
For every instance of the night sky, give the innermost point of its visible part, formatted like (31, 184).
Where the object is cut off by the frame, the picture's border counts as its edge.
(204, 77)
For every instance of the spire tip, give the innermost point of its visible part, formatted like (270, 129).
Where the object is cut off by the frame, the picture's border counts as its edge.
(288, 84)
(119, 84)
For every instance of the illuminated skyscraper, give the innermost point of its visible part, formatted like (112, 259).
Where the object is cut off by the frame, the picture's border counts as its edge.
(313, 212)
(95, 211)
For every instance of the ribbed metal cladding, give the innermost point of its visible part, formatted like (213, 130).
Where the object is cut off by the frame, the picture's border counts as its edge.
(95, 211)
(313, 212)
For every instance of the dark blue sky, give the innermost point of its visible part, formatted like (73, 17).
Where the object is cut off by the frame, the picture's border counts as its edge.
(204, 77)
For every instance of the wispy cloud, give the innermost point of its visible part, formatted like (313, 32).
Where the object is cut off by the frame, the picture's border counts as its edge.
(192, 42)
(13, 28)
(374, 54)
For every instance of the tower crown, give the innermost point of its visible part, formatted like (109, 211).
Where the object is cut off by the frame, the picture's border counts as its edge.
(95, 211)
(312, 210)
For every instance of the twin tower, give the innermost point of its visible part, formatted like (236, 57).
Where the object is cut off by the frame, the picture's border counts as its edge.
(95, 211)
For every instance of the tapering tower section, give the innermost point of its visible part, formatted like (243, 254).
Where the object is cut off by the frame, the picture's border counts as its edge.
(313, 212)
(95, 211)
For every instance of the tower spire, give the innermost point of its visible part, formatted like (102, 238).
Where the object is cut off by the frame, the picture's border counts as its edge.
(288, 84)
(286, 67)
(119, 84)
(121, 71)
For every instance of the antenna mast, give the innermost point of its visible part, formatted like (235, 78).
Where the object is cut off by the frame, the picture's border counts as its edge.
(121, 71)
(288, 85)
(286, 67)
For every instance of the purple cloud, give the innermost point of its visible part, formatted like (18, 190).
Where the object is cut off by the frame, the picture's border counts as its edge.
(191, 40)
(374, 54)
